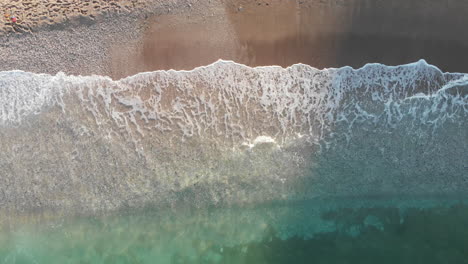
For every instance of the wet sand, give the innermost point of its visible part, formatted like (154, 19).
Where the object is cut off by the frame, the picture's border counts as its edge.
(319, 33)
(184, 34)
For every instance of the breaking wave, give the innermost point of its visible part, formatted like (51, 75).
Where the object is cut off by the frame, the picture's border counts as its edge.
(230, 134)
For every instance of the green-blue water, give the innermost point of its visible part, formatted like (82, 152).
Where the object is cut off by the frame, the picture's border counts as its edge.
(358, 162)
(325, 231)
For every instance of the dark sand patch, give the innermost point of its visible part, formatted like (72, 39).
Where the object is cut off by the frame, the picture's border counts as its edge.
(318, 33)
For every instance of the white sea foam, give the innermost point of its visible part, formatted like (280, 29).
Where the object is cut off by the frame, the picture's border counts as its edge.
(263, 139)
(143, 138)
(232, 100)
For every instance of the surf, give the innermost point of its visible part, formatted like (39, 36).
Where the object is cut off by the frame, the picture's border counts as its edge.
(227, 134)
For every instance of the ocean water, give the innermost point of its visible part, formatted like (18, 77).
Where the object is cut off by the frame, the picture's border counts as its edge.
(327, 231)
(232, 164)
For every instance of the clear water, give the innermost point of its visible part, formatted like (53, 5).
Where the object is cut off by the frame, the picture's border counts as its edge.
(238, 165)
(356, 231)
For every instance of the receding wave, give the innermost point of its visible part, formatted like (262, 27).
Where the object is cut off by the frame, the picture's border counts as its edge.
(228, 134)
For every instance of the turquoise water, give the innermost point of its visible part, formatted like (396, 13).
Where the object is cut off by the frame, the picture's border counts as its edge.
(232, 164)
(355, 231)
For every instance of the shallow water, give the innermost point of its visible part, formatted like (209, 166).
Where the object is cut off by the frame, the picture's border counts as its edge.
(228, 134)
(320, 231)
(232, 164)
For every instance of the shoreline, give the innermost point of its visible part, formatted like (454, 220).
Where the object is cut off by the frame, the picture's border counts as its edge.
(423, 61)
(183, 35)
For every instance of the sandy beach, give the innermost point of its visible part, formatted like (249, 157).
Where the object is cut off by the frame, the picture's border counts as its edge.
(121, 38)
(32, 14)
(132, 162)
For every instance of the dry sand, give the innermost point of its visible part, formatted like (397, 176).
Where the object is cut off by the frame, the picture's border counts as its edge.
(38, 13)
(183, 34)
